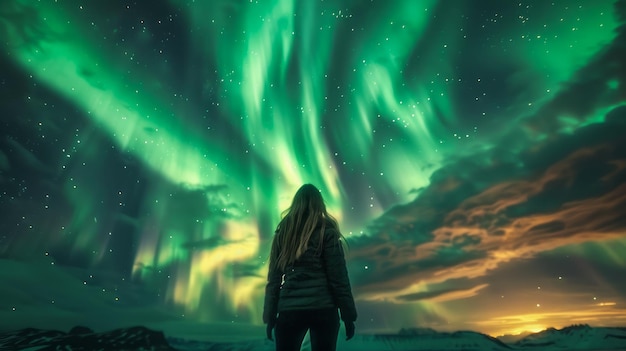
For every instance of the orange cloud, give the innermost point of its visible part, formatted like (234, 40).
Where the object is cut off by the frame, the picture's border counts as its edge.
(480, 234)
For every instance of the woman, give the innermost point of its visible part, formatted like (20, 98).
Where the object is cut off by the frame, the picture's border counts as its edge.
(307, 279)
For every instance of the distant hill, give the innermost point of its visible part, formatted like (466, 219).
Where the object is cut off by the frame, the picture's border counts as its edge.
(83, 338)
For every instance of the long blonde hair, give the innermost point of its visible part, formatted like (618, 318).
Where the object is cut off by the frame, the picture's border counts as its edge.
(307, 212)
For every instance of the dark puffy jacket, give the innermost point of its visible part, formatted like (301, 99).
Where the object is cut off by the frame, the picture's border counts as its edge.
(316, 280)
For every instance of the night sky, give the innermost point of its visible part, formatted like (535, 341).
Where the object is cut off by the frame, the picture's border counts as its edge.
(472, 151)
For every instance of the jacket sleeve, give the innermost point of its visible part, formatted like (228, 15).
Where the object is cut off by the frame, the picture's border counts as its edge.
(337, 275)
(272, 289)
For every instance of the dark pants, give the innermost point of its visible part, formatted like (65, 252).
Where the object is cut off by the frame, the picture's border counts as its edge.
(292, 326)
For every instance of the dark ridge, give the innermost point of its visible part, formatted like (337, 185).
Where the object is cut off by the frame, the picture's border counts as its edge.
(83, 338)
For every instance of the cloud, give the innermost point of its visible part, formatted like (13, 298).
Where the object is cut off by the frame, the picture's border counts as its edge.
(465, 225)
(454, 289)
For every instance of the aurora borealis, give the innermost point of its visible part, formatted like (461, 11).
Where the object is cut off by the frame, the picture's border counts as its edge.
(472, 151)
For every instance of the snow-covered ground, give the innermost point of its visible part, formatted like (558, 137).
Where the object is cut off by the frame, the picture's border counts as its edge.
(575, 338)
(571, 338)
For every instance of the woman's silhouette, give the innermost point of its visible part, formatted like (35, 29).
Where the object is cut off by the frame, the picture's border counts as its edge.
(307, 280)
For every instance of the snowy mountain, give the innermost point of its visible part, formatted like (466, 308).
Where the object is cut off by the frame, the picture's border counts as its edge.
(578, 337)
(513, 338)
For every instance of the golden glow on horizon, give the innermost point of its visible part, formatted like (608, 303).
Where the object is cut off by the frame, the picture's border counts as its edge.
(534, 322)
(532, 328)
